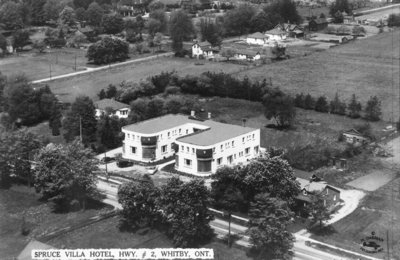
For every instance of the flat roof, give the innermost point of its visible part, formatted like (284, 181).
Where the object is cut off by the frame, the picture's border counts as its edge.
(158, 124)
(216, 132)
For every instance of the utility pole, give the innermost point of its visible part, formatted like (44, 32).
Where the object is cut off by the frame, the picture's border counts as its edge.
(50, 69)
(105, 161)
(80, 128)
(387, 242)
(75, 63)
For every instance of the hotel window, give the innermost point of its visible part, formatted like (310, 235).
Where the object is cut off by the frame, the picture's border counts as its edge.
(192, 150)
(247, 151)
(253, 136)
(240, 154)
(133, 137)
(222, 147)
(164, 149)
(187, 149)
(129, 136)
(256, 149)
(243, 139)
(180, 131)
(187, 131)
(168, 134)
(188, 162)
(233, 143)
(133, 149)
(182, 148)
(219, 161)
(234, 156)
(229, 158)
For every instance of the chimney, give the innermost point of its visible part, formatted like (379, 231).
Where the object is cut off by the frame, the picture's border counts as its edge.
(209, 115)
(192, 113)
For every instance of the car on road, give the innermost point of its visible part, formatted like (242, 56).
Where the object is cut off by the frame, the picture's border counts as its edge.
(152, 169)
(107, 160)
(124, 164)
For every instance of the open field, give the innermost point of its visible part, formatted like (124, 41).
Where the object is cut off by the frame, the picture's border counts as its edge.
(38, 65)
(379, 212)
(90, 84)
(105, 234)
(21, 201)
(366, 67)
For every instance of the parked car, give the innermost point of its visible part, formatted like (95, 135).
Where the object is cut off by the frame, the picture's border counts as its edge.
(124, 164)
(152, 169)
(107, 159)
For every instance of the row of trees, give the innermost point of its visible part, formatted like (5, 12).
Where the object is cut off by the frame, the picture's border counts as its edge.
(177, 207)
(353, 109)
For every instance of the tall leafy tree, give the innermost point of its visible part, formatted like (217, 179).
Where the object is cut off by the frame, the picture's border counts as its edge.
(279, 106)
(309, 102)
(354, 107)
(269, 220)
(138, 202)
(67, 16)
(283, 11)
(108, 130)
(94, 14)
(261, 22)
(108, 50)
(81, 116)
(318, 210)
(160, 16)
(322, 105)
(373, 109)
(37, 12)
(237, 21)
(184, 207)
(181, 29)
(65, 173)
(112, 24)
(337, 107)
(52, 9)
(20, 38)
(10, 16)
(210, 31)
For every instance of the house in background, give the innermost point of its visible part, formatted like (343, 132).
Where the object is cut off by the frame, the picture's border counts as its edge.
(112, 107)
(308, 188)
(200, 146)
(204, 50)
(354, 137)
(257, 38)
(247, 54)
(131, 7)
(276, 35)
(317, 24)
(292, 30)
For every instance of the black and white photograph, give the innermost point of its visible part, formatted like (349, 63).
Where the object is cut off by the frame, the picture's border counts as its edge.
(200, 129)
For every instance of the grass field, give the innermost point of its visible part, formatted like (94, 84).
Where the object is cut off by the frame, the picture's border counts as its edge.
(90, 84)
(105, 234)
(379, 213)
(37, 65)
(365, 67)
(21, 201)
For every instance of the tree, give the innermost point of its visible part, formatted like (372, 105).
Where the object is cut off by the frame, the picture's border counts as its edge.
(337, 107)
(155, 108)
(94, 14)
(102, 94)
(55, 119)
(156, 5)
(269, 220)
(140, 24)
(52, 9)
(158, 40)
(160, 16)
(10, 16)
(3, 43)
(40, 46)
(309, 102)
(278, 51)
(20, 38)
(394, 20)
(154, 26)
(318, 210)
(181, 29)
(64, 173)
(237, 21)
(16, 153)
(373, 109)
(138, 201)
(184, 208)
(283, 11)
(279, 106)
(321, 105)
(81, 116)
(359, 31)
(173, 105)
(337, 8)
(112, 24)
(354, 107)
(108, 50)
(111, 91)
(38, 15)
(108, 129)
(80, 14)
(261, 22)
(299, 100)
(210, 31)
(67, 16)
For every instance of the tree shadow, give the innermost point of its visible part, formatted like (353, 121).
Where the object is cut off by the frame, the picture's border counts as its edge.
(322, 231)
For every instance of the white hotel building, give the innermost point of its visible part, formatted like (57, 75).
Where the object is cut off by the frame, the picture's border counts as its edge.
(199, 146)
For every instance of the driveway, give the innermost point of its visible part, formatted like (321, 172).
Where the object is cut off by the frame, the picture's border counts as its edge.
(373, 181)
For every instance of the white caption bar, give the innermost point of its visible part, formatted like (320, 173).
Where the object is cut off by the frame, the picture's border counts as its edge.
(123, 254)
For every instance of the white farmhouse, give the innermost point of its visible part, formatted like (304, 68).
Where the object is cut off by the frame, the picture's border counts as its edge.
(203, 49)
(276, 35)
(200, 146)
(257, 38)
(244, 54)
(112, 107)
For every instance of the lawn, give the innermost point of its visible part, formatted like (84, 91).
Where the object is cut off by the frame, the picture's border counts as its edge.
(105, 234)
(365, 67)
(90, 84)
(38, 65)
(379, 213)
(21, 201)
